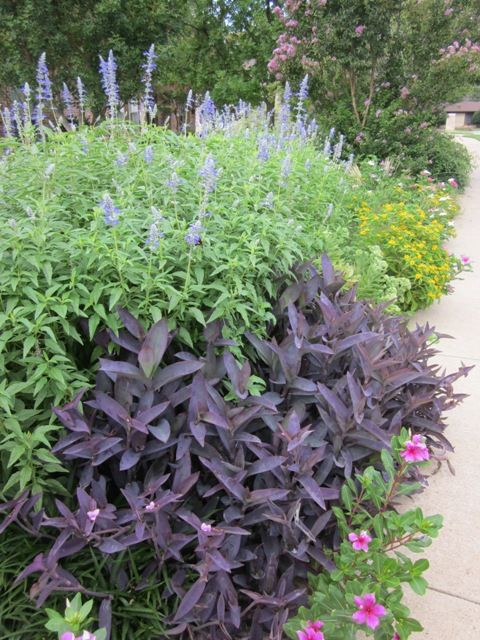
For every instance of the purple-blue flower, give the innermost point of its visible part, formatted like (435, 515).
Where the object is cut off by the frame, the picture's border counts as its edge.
(209, 174)
(108, 72)
(121, 159)
(148, 154)
(154, 236)
(148, 67)
(27, 92)
(286, 169)
(263, 149)
(303, 90)
(110, 210)
(174, 182)
(81, 93)
(193, 236)
(207, 109)
(7, 122)
(67, 101)
(44, 86)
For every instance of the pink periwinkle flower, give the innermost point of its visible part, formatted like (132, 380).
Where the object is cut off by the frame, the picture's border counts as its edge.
(359, 29)
(93, 514)
(465, 260)
(369, 612)
(360, 541)
(452, 182)
(312, 631)
(415, 450)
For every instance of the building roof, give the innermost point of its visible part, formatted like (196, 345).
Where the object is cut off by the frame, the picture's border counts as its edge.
(468, 106)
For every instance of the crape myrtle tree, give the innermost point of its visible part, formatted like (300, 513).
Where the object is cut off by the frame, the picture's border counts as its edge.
(373, 60)
(217, 45)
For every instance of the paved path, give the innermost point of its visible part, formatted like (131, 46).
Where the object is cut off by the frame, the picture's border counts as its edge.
(451, 608)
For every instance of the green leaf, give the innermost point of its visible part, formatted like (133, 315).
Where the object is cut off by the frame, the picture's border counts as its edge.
(419, 585)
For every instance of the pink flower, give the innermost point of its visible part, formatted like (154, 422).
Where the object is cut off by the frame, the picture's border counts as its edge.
(452, 182)
(359, 137)
(359, 29)
(206, 528)
(369, 612)
(361, 541)
(93, 514)
(378, 113)
(67, 635)
(465, 259)
(448, 12)
(367, 102)
(150, 506)
(405, 92)
(291, 24)
(396, 636)
(312, 631)
(415, 450)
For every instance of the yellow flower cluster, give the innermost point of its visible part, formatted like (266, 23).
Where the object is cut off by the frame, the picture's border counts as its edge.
(411, 239)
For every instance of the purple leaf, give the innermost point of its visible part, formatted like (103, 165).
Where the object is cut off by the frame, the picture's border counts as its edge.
(153, 348)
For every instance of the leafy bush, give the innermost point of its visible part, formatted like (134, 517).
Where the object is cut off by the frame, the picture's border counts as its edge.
(266, 199)
(227, 487)
(370, 569)
(476, 118)
(413, 243)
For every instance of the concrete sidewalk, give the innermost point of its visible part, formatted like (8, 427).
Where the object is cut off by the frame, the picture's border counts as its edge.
(451, 608)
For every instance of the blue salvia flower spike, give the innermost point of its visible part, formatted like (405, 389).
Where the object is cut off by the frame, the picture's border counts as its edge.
(108, 72)
(148, 67)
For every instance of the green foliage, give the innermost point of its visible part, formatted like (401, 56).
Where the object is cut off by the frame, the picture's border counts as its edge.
(220, 45)
(63, 264)
(476, 118)
(382, 570)
(76, 618)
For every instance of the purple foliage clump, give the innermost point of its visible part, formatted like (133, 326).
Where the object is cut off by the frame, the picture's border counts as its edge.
(235, 497)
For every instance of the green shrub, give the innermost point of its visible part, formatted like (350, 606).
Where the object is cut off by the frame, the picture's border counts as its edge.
(476, 118)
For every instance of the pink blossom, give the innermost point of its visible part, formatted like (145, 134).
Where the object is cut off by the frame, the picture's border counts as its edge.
(367, 102)
(359, 29)
(322, 3)
(448, 12)
(277, 10)
(465, 259)
(423, 125)
(93, 514)
(359, 137)
(415, 450)
(361, 541)
(291, 24)
(278, 76)
(67, 635)
(396, 636)
(369, 612)
(312, 631)
(405, 92)
(452, 182)
(206, 528)
(408, 130)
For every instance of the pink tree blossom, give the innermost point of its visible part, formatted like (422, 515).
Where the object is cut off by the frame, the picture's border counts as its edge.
(415, 450)
(452, 182)
(359, 29)
(360, 541)
(369, 612)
